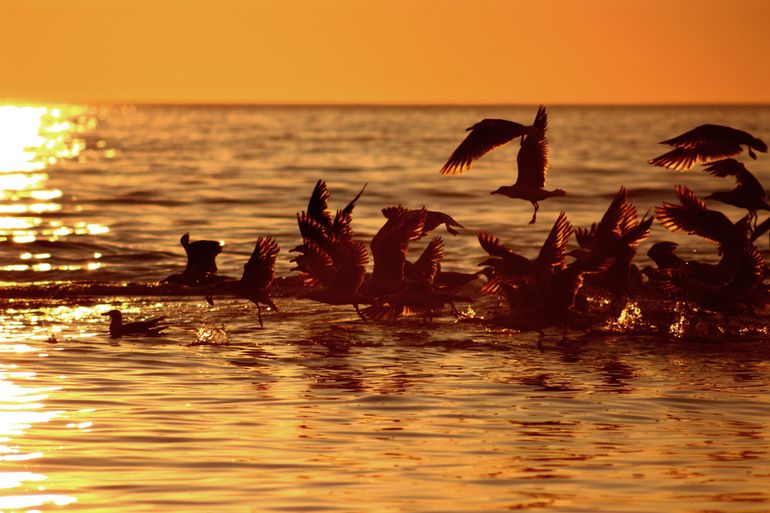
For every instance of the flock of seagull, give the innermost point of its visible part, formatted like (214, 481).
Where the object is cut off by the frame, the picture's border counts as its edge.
(540, 292)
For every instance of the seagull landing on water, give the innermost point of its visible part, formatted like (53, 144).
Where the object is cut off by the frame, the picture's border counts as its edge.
(151, 327)
(532, 159)
(705, 144)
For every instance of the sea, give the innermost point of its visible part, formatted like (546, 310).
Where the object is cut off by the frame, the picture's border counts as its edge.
(319, 411)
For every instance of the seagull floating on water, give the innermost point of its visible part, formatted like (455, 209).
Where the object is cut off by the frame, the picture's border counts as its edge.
(150, 328)
(532, 158)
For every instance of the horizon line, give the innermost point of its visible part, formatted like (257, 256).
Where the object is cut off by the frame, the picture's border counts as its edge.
(240, 103)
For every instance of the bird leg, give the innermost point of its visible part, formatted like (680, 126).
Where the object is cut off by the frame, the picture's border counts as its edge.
(534, 214)
(358, 311)
(210, 300)
(540, 342)
(259, 316)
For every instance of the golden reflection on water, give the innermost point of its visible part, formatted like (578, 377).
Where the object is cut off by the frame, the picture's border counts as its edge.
(34, 139)
(21, 407)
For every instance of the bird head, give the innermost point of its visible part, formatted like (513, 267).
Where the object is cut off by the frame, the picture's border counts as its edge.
(114, 314)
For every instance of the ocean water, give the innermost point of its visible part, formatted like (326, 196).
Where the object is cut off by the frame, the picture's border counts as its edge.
(319, 411)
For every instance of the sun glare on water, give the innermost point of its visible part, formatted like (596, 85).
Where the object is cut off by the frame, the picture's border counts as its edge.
(34, 141)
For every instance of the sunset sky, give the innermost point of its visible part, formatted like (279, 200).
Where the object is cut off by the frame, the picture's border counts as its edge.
(386, 51)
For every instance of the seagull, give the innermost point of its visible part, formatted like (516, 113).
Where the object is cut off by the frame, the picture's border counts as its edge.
(432, 219)
(705, 144)
(318, 226)
(151, 327)
(258, 274)
(341, 279)
(508, 267)
(390, 246)
(748, 193)
(693, 217)
(201, 269)
(616, 237)
(532, 158)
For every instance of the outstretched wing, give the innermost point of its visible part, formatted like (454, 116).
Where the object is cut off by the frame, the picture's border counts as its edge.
(317, 207)
(391, 244)
(427, 265)
(259, 271)
(701, 145)
(484, 136)
(533, 154)
(693, 217)
(553, 254)
(743, 177)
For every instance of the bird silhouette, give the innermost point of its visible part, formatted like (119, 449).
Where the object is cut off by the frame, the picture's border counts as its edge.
(258, 275)
(432, 219)
(532, 159)
(390, 246)
(201, 268)
(705, 144)
(151, 327)
(748, 193)
(341, 278)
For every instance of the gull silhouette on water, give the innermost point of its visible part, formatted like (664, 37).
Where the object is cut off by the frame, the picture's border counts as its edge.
(258, 274)
(705, 144)
(532, 158)
(151, 327)
(201, 269)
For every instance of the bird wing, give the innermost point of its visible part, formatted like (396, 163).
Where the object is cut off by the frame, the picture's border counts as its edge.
(706, 135)
(391, 244)
(484, 136)
(609, 225)
(259, 271)
(341, 225)
(494, 247)
(427, 265)
(553, 254)
(693, 217)
(316, 264)
(747, 182)
(317, 207)
(351, 271)
(310, 229)
(532, 158)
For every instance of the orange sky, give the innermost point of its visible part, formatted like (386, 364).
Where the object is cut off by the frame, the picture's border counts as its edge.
(386, 51)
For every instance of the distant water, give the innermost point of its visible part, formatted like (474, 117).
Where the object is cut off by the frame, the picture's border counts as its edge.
(320, 411)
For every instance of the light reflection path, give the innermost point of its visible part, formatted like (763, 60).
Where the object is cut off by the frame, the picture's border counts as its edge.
(22, 409)
(34, 141)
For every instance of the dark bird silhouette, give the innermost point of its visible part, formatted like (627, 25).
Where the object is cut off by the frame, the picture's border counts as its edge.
(150, 328)
(258, 274)
(736, 280)
(748, 193)
(514, 272)
(341, 278)
(532, 158)
(505, 266)
(707, 143)
(318, 226)
(432, 219)
(549, 297)
(421, 294)
(201, 268)
(390, 246)
(616, 238)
